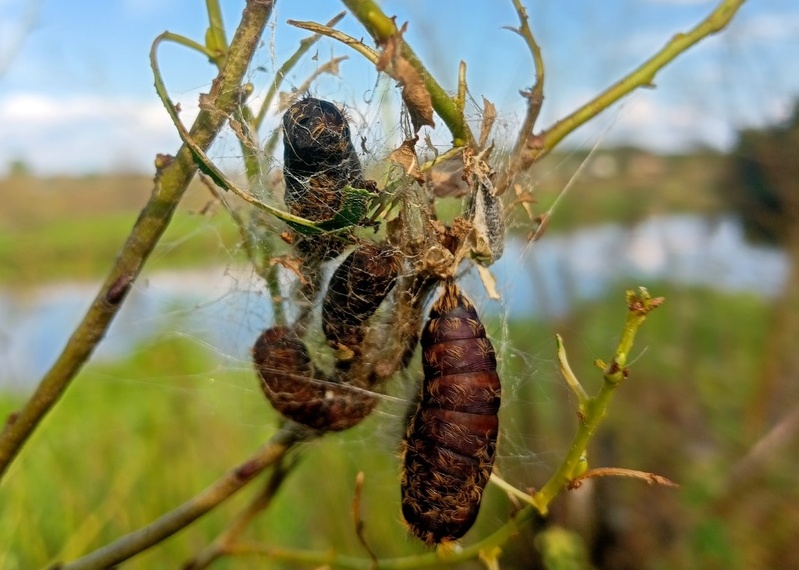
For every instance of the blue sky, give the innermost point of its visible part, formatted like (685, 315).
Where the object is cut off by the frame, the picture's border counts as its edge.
(76, 92)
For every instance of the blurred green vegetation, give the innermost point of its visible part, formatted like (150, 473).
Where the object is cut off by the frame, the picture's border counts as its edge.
(73, 228)
(135, 438)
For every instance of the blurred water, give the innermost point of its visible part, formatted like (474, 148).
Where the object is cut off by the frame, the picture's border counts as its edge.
(226, 309)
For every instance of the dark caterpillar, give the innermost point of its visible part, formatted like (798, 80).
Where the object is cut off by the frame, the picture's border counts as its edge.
(356, 289)
(450, 442)
(300, 393)
(318, 161)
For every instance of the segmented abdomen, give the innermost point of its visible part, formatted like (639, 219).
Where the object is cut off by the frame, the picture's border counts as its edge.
(356, 289)
(300, 393)
(451, 439)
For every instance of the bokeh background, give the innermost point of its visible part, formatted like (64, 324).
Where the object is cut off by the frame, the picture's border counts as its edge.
(689, 189)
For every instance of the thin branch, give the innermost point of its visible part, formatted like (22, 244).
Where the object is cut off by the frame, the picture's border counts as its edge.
(226, 542)
(189, 43)
(639, 305)
(569, 376)
(510, 489)
(129, 545)
(347, 40)
(357, 518)
(535, 97)
(171, 182)
(535, 100)
(644, 76)
(381, 28)
(650, 478)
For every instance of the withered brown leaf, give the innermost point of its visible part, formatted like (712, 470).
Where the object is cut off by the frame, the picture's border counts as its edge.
(414, 92)
(405, 156)
(489, 116)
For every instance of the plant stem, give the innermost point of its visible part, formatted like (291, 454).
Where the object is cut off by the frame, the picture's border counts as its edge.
(215, 38)
(189, 43)
(171, 182)
(226, 542)
(129, 545)
(381, 28)
(639, 304)
(644, 75)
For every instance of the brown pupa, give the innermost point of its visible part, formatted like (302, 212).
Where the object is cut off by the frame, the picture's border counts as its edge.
(299, 392)
(450, 443)
(356, 289)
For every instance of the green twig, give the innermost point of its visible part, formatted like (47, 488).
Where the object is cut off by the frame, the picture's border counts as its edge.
(215, 38)
(189, 43)
(381, 28)
(205, 163)
(171, 182)
(537, 146)
(639, 304)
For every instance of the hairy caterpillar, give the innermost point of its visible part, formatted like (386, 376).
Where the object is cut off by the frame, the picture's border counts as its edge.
(450, 443)
(356, 289)
(318, 161)
(299, 392)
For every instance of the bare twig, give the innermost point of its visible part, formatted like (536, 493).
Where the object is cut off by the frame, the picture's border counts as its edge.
(650, 478)
(535, 100)
(347, 40)
(171, 182)
(129, 545)
(226, 542)
(644, 76)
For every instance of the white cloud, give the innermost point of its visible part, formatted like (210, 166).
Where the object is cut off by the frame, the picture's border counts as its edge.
(85, 133)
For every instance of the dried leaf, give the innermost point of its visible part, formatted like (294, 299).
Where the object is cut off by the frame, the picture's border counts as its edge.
(489, 116)
(405, 156)
(543, 224)
(293, 264)
(447, 180)
(526, 199)
(489, 282)
(414, 92)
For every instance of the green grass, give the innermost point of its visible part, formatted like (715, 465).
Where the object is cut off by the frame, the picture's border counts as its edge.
(134, 439)
(85, 248)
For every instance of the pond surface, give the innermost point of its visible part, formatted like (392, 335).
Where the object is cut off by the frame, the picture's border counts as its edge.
(226, 308)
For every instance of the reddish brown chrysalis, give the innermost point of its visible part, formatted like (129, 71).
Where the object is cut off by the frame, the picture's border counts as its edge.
(356, 289)
(450, 443)
(299, 392)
